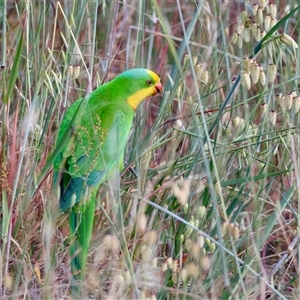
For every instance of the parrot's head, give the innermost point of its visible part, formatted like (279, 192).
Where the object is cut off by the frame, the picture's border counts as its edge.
(138, 84)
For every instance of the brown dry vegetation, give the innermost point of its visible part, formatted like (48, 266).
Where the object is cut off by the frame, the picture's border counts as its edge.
(214, 211)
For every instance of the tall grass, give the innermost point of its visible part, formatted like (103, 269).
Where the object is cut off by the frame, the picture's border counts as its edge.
(213, 212)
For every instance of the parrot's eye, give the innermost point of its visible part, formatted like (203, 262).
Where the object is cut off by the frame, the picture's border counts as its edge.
(148, 82)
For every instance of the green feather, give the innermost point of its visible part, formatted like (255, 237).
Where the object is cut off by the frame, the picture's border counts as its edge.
(94, 151)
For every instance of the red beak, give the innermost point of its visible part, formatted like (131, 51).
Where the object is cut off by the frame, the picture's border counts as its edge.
(158, 88)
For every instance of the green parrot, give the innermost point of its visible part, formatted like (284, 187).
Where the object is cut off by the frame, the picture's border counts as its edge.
(94, 151)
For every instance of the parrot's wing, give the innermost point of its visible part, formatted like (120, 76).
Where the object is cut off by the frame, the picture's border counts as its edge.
(98, 144)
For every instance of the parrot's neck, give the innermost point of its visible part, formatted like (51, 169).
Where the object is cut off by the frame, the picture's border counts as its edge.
(138, 97)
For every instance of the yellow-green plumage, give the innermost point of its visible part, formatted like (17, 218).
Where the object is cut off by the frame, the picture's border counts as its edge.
(95, 148)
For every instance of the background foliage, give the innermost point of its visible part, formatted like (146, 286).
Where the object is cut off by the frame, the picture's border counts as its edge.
(213, 212)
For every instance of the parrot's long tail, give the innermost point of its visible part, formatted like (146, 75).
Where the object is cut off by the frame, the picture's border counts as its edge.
(81, 224)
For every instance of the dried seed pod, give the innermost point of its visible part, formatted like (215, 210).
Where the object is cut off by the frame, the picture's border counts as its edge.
(204, 77)
(248, 22)
(70, 70)
(192, 270)
(247, 33)
(288, 40)
(273, 10)
(212, 247)
(183, 275)
(245, 79)
(259, 16)
(258, 34)
(254, 29)
(273, 22)
(246, 64)
(195, 59)
(296, 104)
(273, 117)
(199, 71)
(272, 69)
(254, 72)
(204, 262)
(262, 4)
(262, 34)
(281, 101)
(294, 93)
(234, 37)
(236, 232)
(201, 211)
(289, 100)
(243, 16)
(240, 29)
(267, 22)
(76, 72)
(200, 240)
(218, 188)
(254, 9)
(188, 229)
(264, 108)
(240, 41)
(225, 227)
(262, 76)
(141, 223)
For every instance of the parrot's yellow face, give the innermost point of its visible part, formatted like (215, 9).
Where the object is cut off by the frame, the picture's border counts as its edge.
(150, 85)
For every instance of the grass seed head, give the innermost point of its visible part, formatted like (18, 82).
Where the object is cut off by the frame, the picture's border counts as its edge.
(262, 76)
(271, 72)
(212, 247)
(169, 262)
(254, 72)
(296, 104)
(272, 8)
(254, 29)
(184, 275)
(174, 277)
(205, 77)
(262, 4)
(264, 108)
(192, 270)
(164, 267)
(201, 211)
(273, 22)
(268, 19)
(234, 40)
(288, 40)
(174, 266)
(243, 16)
(247, 33)
(281, 101)
(245, 79)
(240, 41)
(236, 232)
(289, 100)
(258, 34)
(151, 237)
(76, 72)
(70, 70)
(246, 64)
(273, 117)
(111, 243)
(254, 9)
(204, 262)
(259, 18)
(200, 240)
(147, 254)
(141, 223)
